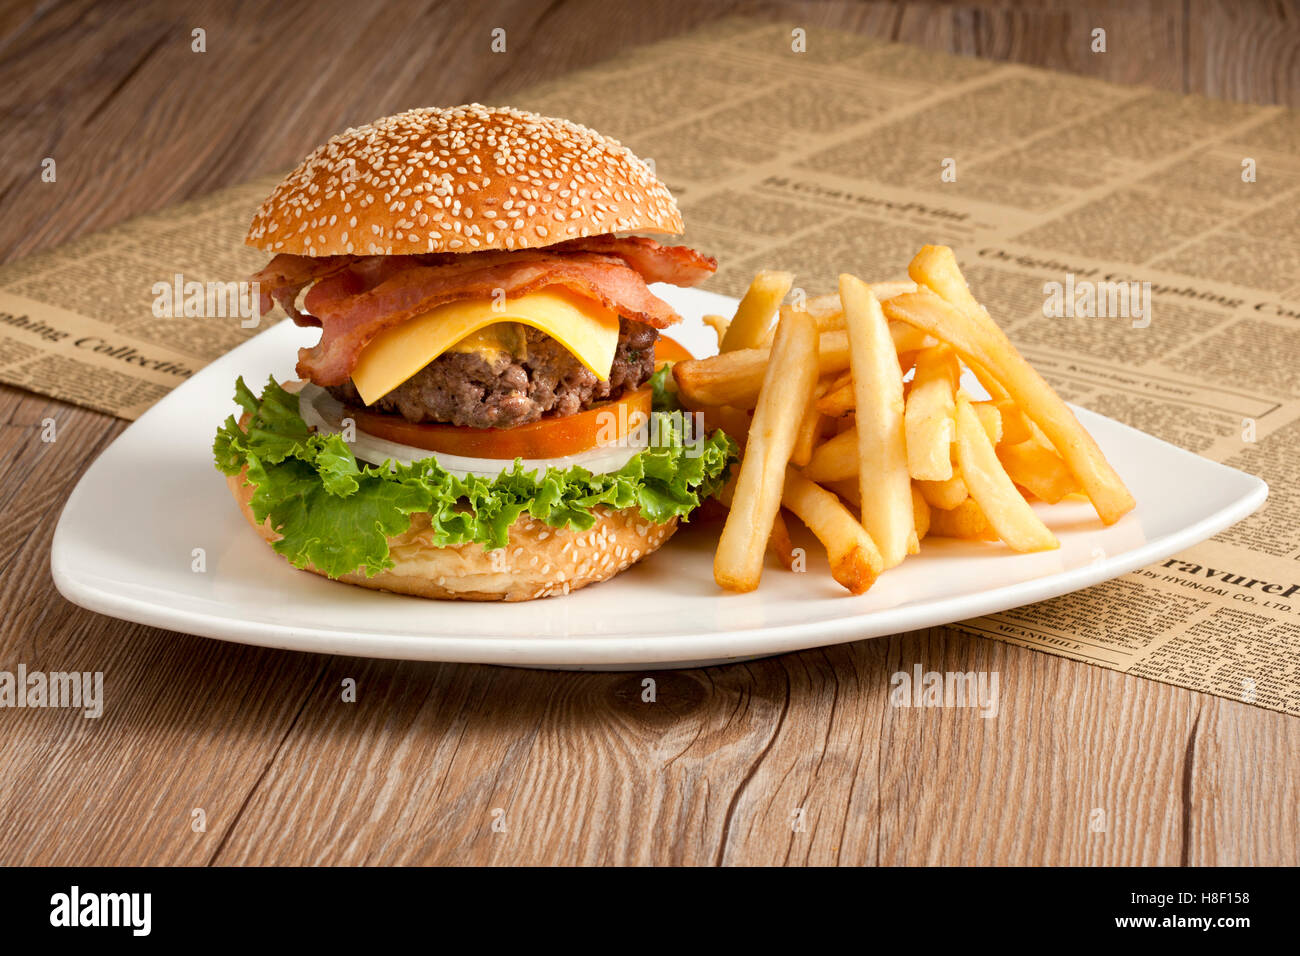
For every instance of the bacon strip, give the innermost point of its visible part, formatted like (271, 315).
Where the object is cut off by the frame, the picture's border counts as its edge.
(354, 298)
(351, 321)
(286, 275)
(676, 265)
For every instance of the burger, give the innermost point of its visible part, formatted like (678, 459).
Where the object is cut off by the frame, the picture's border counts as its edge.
(486, 414)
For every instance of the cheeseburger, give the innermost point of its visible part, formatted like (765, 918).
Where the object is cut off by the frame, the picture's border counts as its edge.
(483, 416)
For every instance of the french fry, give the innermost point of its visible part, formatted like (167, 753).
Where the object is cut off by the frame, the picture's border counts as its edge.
(810, 427)
(907, 338)
(733, 421)
(984, 344)
(828, 323)
(1006, 509)
(928, 414)
(825, 322)
(780, 544)
(814, 393)
(839, 381)
(990, 418)
(734, 378)
(855, 560)
(935, 267)
(849, 490)
(826, 312)
(920, 514)
(834, 459)
(823, 305)
(719, 325)
(837, 403)
(1015, 427)
(890, 288)
(965, 521)
(997, 393)
(787, 386)
(1038, 469)
(882, 454)
(945, 495)
(756, 317)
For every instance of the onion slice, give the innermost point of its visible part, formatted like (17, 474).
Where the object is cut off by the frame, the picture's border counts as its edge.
(325, 413)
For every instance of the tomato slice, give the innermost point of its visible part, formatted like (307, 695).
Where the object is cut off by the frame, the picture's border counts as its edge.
(667, 350)
(599, 425)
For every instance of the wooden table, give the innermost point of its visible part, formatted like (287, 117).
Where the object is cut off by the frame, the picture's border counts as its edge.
(716, 771)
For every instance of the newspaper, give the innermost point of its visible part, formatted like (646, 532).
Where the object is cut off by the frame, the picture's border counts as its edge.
(820, 152)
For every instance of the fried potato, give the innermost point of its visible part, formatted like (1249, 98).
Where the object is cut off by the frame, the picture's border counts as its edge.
(834, 459)
(854, 558)
(828, 312)
(882, 453)
(785, 392)
(983, 343)
(810, 428)
(734, 378)
(733, 421)
(890, 288)
(1038, 469)
(1015, 426)
(990, 418)
(920, 514)
(908, 338)
(1006, 509)
(837, 403)
(944, 494)
(756, 317)
(965, 521)
(779, 542)
(935, 267)
(849, 490)
(718, 323)
(928, 414)
(813, 392)
(825, 310)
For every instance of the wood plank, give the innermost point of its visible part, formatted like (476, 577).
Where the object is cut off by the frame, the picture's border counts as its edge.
(714, 771)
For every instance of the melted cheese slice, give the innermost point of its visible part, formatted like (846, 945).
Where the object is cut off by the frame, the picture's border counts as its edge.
(584, 327)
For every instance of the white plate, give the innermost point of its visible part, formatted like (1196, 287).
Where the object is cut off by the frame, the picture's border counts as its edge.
(125, 547)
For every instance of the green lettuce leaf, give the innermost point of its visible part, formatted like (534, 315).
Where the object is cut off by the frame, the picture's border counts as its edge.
(336, 513)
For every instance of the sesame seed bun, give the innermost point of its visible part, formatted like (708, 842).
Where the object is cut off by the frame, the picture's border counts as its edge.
(540, 561)
(463, 179)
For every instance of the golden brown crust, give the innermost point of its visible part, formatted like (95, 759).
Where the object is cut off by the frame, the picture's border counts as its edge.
(539, 562)
(463, 179)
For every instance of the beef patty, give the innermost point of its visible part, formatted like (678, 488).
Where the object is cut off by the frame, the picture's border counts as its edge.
(501, 391)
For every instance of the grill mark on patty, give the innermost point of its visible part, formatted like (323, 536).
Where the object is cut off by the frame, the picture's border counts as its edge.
(464, 388)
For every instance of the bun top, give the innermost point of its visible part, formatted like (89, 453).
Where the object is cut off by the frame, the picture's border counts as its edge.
(463, 179)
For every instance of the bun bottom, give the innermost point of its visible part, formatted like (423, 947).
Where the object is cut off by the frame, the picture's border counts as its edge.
(540, 561)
